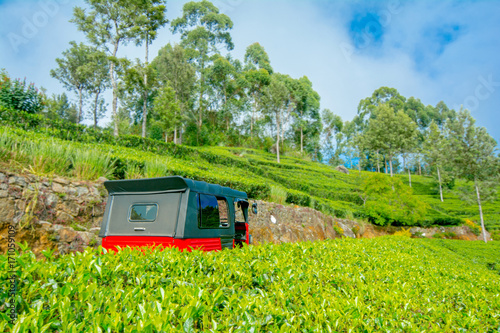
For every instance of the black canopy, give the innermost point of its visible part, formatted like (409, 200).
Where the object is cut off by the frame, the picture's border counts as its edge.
(163, 184)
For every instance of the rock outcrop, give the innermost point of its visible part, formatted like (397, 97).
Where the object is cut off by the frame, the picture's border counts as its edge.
(50, 213)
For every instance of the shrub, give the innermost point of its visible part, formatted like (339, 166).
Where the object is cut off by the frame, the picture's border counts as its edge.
(18, 95)
(476, 230)
(446, 235)
(447, 221)
(495, 235)
(403, 232)
(391, 202)
(298, 198)
(338, 229)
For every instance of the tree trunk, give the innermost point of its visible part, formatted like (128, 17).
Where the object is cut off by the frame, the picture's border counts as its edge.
(404, 167)
(115, 90)
(440, 186)
(80, 105)
(95, 108)
(278, 137)
(254, 109)
(480, 211)
(378, 162)
(359, 164)
(175, 134)
(301, 141)
(390, 165)
(145, 104)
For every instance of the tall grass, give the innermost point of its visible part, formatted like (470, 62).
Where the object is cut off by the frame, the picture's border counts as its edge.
(156, 168)
(89, 165)
(278, 195)
(50, 156)
(41, 156)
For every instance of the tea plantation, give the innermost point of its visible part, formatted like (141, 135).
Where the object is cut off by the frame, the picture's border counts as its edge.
(51, 147)
(387, 284)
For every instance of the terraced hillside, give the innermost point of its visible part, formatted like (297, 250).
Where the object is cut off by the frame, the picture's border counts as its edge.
(54, 147)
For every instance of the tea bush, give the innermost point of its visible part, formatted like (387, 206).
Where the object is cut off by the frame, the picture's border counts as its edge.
(385, 284)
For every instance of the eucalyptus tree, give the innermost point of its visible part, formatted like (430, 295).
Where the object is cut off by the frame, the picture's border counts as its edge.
(257, 74)
(60, 107)
(276, 98)
(306, 114)
(390, 132)
(437, 150)
(167, 110)
(72, 73)
(332, 129)
(108, 24)
(97, 69)
(256, 57)
(173, 69)
(225, 77)
(138, 89)
(367, 107)
(442, 114)
(473, 153)
(203, 30)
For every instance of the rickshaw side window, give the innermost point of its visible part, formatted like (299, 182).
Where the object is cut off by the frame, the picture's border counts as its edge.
(213, 212)
(143, 213)
(239, 212)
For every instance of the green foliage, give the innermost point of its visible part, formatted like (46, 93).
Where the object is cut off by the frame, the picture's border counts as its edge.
(256, 172)
(267, 288)
(18, 95)
(445, 235)
(389, 201)
(447, 221)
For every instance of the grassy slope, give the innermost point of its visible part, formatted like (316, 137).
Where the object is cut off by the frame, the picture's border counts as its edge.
(376, 285)
(294, 180)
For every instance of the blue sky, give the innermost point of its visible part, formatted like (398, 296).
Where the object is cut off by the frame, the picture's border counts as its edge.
(432, 50)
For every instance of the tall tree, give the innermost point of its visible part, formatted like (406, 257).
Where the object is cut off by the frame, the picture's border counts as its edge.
(474, 156)
(151, 18)
(389, 132)
(73, 73)
(203, 30)
(173, 69)
(167, 110)
(332, 130)
(306, 114)
(138, 88)
(437, 150)
(276, 97)
(226, 78)
(384, 95)
(258, 72)
(256, 57)
(97, 70)
(60, 107)
(107, 25)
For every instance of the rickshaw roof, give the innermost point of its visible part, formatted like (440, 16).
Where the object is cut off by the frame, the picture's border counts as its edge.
(162, 184)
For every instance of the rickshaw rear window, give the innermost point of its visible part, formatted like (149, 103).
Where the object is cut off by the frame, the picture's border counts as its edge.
(143, 213)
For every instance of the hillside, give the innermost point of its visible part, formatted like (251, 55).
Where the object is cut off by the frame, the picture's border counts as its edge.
(382, 284)
(53, 147)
